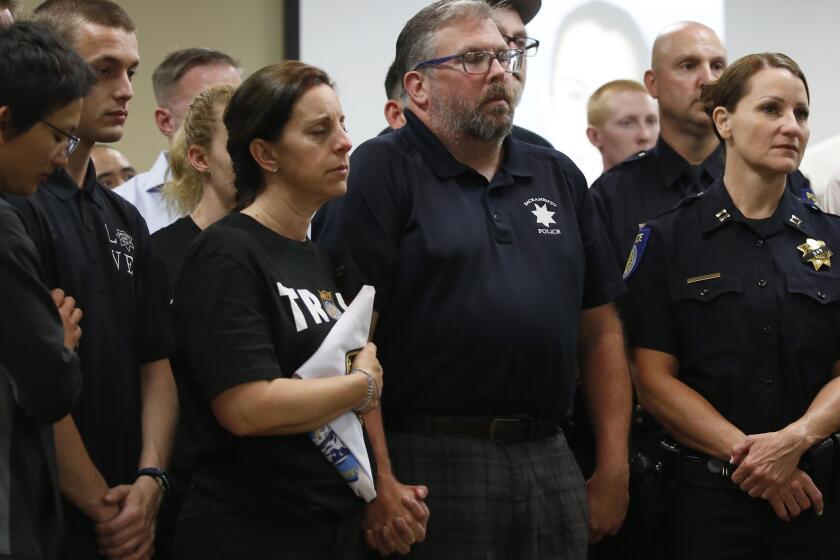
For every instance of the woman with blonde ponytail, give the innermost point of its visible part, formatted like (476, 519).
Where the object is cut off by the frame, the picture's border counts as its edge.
(202, 191)
(202, 180)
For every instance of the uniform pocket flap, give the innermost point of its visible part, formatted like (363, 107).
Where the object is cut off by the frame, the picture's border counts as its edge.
(704, 287)
(823, 290)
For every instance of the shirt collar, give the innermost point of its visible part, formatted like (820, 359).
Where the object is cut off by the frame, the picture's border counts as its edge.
(64, 187)
(717, 210)
(672, 165)
(515, 158)
(159, 173)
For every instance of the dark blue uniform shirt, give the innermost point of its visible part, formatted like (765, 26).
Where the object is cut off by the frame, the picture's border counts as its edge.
(652, 182)
(93, 245)
(479, 284)
(751, 320)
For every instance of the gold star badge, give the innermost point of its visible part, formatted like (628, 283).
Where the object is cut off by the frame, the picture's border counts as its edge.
(816, 253)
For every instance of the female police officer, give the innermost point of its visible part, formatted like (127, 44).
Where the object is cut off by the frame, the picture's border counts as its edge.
(732, 314)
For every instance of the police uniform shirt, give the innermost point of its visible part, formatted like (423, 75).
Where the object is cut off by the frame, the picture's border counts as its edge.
(749, 307)
(650, 183)
(251, 305)
(479, 285)
(94, 246)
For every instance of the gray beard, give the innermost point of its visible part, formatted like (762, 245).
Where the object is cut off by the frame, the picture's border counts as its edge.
(457, 118)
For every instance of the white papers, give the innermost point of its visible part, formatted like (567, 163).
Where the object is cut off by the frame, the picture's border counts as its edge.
(342, 441)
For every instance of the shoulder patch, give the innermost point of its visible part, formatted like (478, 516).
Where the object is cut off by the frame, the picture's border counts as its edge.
(810, 199)
(636, 252)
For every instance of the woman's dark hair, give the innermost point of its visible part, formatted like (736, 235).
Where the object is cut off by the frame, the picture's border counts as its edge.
(260, 108)
(732, 85)
(39, 74)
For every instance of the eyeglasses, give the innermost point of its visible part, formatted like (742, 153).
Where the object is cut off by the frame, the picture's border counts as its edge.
(72, 141)
(527, 45)
(479, 62)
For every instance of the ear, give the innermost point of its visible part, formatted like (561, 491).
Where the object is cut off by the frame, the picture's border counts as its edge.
(197, 156)
(651, 85)
(263, 154)
(394, 114)
(723, 122)
(5, 123)
(164, 122)
(416, 85)
(594, 136)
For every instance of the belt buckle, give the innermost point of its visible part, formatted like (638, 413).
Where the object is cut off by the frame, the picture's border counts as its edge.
(496, 423)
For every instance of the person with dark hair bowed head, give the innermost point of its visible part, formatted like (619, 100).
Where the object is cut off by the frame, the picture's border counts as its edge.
(731, 319)
(42, 83)
(255, 299)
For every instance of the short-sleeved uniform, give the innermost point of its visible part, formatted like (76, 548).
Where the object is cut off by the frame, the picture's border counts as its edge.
(480, 287)
(748, 308)
(250, 306)
(653, 182)
(94, 246)
(39, 383)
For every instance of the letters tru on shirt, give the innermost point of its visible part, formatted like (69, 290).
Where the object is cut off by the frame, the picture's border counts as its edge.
(320, 309)
(121, 246)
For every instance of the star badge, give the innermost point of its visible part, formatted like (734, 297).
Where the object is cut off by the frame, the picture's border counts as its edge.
(816, 253)
(543, 214)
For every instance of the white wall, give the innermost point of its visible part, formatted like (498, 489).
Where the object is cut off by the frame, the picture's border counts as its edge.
(354, 42)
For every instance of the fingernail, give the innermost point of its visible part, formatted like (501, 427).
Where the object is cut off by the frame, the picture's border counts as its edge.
(732, 459)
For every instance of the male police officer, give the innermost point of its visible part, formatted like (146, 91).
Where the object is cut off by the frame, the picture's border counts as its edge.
(492, 271)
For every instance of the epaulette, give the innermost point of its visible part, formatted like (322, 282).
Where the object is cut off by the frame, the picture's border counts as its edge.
(632, 159)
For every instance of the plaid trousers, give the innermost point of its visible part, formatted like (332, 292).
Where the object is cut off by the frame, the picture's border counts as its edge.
(495, 501)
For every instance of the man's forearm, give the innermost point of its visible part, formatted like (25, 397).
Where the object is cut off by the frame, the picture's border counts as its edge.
(160, 413)
(81, 482)
(606, 385)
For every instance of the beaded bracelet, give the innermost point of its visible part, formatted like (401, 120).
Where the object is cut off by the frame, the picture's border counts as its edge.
(371, 382)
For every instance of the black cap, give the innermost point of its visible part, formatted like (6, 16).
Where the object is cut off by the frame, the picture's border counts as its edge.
(527, 9)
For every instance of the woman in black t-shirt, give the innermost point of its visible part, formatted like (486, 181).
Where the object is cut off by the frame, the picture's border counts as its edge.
(255, 299)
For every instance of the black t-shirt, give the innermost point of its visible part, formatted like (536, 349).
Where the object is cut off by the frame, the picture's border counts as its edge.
(169, 247)
(251, 305)
(479, 284)
(748, 309)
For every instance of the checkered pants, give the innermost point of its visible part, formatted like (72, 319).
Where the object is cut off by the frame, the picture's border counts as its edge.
(499, 501)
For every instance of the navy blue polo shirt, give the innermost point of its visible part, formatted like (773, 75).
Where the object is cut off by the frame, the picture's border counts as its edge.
(748, 313)
(93, 245)
(479, 284)
(650, 183)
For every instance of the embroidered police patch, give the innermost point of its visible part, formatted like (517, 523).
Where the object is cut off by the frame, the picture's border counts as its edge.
(636, 252)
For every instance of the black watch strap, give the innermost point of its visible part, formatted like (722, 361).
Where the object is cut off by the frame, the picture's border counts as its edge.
(158, 474)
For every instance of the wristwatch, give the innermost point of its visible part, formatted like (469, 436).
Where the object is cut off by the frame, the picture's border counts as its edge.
(159, 475)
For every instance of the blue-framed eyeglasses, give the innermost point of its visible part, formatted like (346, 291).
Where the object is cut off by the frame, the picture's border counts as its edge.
(479, 62)
(72, 141)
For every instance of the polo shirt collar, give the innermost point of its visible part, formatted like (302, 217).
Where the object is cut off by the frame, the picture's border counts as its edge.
(672, 165)
(717, 210)
(515, 159)
(64, 187)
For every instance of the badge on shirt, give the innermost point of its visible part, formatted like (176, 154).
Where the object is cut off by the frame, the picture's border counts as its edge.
(816, 253)
(636, 252)
(329, 306)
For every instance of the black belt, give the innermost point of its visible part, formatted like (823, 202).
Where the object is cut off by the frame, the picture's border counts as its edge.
(507, 430)
(710, 472)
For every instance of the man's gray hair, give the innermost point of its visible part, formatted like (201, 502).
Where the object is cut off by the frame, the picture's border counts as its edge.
(416, 42)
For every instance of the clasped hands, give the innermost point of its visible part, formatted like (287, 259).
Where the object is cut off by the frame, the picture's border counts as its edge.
(767, 468)
(397, 518)
(125, 520)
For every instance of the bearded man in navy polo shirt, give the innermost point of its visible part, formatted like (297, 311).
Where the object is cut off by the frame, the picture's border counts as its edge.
(494, 280)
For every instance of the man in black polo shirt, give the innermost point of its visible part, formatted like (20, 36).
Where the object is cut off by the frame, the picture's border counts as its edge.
(493, 276)
(112, 449)
(687, 157)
